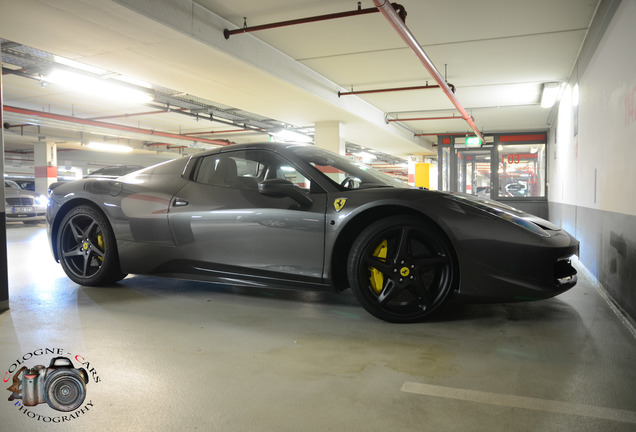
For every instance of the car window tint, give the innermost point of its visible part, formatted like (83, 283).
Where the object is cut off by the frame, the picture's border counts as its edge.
(245, 169)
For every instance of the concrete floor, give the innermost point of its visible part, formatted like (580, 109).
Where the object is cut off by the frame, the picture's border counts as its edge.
(173, 355)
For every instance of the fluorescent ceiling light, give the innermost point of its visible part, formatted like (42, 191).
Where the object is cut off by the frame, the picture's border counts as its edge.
(287, 135)
(550, 94)
(97, 87)
(77, 65)
(108, 147)
(366, 156)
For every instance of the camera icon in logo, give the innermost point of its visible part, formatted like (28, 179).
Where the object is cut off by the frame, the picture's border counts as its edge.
(61, 386)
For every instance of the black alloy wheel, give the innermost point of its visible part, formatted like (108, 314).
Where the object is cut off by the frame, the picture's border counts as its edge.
(86, 247)
(402, 269)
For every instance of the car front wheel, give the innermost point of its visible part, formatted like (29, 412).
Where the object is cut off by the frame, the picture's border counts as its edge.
(402, 269)
(87, 248)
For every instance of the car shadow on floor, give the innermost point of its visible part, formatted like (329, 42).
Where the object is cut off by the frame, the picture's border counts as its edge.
(144, 287)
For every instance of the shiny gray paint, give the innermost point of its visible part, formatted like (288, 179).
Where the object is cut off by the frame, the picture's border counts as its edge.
(167, 225)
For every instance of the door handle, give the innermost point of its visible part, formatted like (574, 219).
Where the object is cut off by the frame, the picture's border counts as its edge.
(178, 202)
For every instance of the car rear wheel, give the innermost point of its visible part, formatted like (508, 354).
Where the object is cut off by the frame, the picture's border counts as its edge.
(402, 269)
(87, 248)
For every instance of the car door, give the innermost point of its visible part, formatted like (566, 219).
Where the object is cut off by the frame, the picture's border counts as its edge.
(221, 221)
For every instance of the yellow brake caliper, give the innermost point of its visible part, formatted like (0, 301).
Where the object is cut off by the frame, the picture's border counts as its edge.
(376, 278)
(100, 243)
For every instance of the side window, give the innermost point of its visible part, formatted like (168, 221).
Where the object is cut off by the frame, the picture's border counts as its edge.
(290, 173)
(229, 170)
(245, 169)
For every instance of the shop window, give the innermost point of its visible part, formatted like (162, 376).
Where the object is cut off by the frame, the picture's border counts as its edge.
(507, 167)
(521, 171)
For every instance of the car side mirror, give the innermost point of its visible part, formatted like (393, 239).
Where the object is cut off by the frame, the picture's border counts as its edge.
(279, 188)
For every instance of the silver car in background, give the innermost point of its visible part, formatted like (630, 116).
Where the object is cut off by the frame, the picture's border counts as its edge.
(23, 205)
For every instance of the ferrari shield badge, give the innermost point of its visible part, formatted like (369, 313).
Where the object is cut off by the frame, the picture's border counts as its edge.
(339, 203)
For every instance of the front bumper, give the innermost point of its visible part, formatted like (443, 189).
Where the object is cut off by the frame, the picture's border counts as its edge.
(25, 213)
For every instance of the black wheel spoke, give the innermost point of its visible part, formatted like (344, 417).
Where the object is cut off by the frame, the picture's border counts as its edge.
(378, 264)
(78, 233)
(92, 227)
(402, 249)
(423, 295)
(389, 291)
(431, 262)
(87, 260)
(75, 251)
(95, 250)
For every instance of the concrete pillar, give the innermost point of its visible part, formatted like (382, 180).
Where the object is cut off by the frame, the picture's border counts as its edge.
(45, 161)
(413, 161)
(330, 135)
(4, 268)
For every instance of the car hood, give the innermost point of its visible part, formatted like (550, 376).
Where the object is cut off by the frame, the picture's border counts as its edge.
(13, 192)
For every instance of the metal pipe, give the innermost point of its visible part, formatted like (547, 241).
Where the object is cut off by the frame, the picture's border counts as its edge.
(425, 118)
(398, 24)
(220, 132)
(135, 114)
(88, 122)
(227, 33)
(452, 87)
(442, 134)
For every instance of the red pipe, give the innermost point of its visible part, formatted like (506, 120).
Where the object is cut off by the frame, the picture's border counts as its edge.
(442, 134)
(137, 114)
(94, 123)
(393, 89)
(227, 33)
(398, 24)
(218, 132)
(426, 118)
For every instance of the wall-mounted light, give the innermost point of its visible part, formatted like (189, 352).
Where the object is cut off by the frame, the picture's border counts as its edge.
(108, 147)
(97, 87)
(575, 95)
(550, 94)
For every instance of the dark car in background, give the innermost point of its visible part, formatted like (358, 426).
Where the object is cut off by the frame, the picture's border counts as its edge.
(296, 216)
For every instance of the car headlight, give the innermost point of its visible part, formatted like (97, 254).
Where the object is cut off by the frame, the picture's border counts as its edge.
(41, 200)
(501, 211)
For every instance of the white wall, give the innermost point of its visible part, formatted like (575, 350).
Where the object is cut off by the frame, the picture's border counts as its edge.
(592, 175)
(597, 167)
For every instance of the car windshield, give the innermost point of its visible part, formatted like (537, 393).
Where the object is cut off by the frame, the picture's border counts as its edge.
(11, 184)
(344, 172)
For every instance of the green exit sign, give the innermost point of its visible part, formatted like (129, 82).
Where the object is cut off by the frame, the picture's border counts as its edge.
(473, 141)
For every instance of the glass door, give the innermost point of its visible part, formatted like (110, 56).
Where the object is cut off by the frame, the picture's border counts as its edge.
(473, 172)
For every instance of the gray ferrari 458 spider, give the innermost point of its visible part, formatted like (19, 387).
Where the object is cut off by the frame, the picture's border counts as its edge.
(296, 216)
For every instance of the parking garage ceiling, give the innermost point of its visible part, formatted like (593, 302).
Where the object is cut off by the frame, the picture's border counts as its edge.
(209, 90)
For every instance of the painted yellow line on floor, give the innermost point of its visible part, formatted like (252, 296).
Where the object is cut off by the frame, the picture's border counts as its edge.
(520, 402)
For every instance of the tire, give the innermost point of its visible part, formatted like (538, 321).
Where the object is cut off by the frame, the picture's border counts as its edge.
(402, 269)
(87, 248)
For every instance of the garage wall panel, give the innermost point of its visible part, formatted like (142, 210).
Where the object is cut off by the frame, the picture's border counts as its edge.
(592, 175)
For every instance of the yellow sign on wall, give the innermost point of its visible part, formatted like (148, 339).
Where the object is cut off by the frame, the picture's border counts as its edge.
(423, 175)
